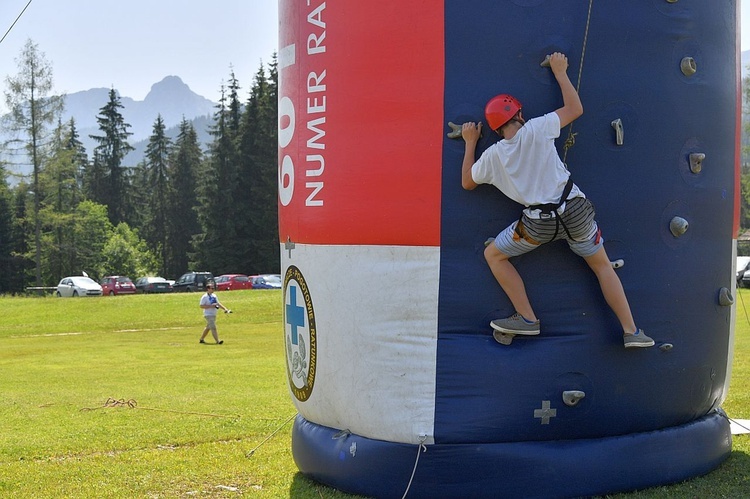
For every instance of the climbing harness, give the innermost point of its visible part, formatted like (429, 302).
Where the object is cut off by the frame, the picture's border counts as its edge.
(546, 212)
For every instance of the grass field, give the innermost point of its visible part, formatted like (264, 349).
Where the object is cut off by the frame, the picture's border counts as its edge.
(190, 420)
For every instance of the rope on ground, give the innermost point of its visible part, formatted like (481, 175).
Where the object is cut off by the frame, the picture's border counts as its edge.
(269, 437)
(133, 404)
(420, 449)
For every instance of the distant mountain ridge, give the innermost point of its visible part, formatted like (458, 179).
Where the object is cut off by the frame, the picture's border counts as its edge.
(171, 98)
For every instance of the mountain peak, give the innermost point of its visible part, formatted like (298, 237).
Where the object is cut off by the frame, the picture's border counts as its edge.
(168, 85)
(173, 100)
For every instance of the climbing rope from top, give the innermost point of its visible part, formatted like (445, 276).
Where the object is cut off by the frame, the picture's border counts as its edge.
(570, 140)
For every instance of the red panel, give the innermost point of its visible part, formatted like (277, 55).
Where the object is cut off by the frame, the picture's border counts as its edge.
(360, 162)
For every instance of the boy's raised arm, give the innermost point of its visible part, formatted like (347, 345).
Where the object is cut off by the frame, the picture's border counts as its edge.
(470, 133)
(572, 106)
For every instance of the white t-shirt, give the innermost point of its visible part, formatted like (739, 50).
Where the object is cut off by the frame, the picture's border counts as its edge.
(527, 167)
(207, 299)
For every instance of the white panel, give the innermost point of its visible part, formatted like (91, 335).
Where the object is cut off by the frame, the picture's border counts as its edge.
(375, 315)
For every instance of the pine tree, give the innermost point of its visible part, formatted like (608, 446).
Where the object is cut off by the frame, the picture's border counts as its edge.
(269, 173)
(23, 255)
(184, 165)
(213, 247)
(112, 148)
(32, 109)
(95, 179)
(234, 108)
(61, 195)
(6, 235)
(258, 229)
(140, 197)
(80, 157)
(159, 192)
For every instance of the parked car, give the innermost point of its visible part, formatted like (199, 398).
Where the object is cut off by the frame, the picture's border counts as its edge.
(193, 281)
(151, 284)
(266, 281)
(117, 285)
(743, 265)
(229, 282)
(78, 286)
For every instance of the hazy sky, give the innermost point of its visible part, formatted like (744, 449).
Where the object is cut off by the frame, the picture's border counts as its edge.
(132, 44)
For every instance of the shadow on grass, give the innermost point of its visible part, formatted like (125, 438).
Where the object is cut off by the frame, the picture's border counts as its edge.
(303, 487)
(733, 475)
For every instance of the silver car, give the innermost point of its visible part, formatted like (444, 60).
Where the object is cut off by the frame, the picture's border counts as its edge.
(743, 266)
(78, 286)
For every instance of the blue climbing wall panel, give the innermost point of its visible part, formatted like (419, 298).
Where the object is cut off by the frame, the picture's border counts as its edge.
(388, 267)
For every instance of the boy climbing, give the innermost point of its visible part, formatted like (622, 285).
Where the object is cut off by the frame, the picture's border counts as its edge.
(526, 167)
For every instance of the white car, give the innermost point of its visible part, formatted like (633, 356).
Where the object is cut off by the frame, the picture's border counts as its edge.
(78, 286)
(743, 265)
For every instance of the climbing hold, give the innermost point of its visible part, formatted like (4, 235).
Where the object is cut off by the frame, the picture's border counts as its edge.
(545, 63)
(696, 162)
(688, 66)
(489, 241)
(666, 347)
(619, 132)
(671, 1)
(678, 226)
(455, 132)
(725, 297)
(572, 397)
(618, 263)
(341, 434)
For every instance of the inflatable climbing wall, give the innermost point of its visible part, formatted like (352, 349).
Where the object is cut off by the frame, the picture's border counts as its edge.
(391, 363)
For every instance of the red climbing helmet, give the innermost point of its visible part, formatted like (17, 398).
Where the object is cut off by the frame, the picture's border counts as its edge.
(500, 109)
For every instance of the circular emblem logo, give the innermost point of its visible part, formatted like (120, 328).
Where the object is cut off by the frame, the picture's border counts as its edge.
(299, 334)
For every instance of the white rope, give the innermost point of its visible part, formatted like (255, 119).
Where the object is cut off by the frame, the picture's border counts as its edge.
(249, 454)
(420, 448)
(570, 141)
(726, 416)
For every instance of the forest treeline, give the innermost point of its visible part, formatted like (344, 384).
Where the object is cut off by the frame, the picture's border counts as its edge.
(182, 208)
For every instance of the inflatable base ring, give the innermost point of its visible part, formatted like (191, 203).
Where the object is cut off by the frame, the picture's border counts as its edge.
(562, 468)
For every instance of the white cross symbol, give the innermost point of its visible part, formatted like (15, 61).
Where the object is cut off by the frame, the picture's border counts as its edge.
(545, 413)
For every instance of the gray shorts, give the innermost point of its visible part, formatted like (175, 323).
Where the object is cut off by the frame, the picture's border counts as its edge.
(210, 322)
(583, 234)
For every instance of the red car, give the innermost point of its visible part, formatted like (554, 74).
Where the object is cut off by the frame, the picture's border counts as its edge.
(117, 285)
(229, 282)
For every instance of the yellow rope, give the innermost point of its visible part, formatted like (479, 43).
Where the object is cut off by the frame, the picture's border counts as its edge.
(571, 140)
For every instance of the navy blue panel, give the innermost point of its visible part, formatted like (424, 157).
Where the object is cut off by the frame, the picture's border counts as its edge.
(525, 469)
(488, 392)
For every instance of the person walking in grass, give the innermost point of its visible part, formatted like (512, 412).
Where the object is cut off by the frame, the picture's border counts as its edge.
(526, 167)
(210, 304)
